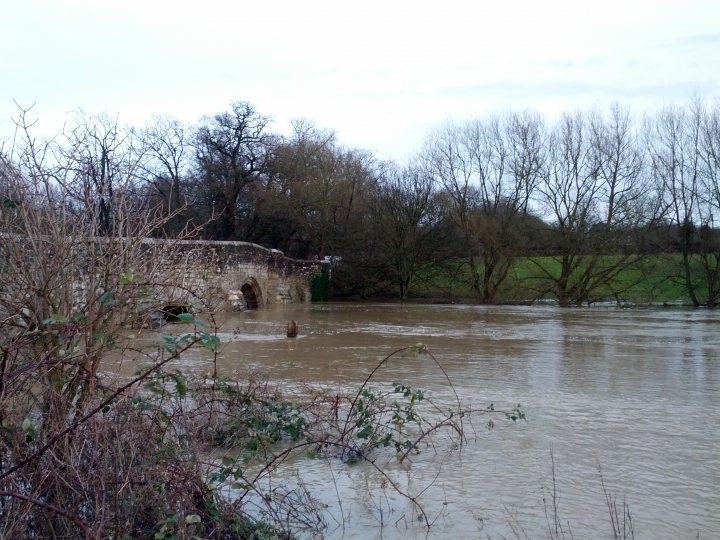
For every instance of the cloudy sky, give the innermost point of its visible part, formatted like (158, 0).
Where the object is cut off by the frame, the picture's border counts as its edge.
(381, 74)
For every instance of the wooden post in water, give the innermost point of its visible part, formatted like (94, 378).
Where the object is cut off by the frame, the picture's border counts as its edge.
(291, 328)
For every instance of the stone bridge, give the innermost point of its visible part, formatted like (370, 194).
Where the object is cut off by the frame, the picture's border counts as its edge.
(235, 275)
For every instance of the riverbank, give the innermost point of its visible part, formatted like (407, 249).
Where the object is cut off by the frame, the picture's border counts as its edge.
(651, 281)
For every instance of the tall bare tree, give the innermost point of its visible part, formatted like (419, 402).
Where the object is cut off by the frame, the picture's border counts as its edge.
(489, 170)
(231, 152)
(101, 159)
(321, 184)
(595, 190)
(710, 201)
(403, 227)
(683, 146)
(165, 168)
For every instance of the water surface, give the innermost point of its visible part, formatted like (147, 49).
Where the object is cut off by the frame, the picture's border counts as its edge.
(636, 392)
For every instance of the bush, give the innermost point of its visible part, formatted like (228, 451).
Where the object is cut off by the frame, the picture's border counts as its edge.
(320, 288)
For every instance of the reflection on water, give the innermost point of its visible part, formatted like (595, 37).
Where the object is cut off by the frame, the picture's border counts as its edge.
(635, 391)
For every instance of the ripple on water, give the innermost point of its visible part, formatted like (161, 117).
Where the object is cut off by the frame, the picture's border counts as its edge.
(634, 391)
(229, 337)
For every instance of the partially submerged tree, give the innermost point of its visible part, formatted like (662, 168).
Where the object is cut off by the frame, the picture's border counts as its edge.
(683, 146)
(403, 231)
(594, 188)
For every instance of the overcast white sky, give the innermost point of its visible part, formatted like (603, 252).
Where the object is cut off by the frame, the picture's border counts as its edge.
(379, 73)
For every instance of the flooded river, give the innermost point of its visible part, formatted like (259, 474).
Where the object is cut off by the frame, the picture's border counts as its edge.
(636, 392)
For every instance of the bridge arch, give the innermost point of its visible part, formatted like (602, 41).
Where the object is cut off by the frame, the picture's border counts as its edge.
(252, 293)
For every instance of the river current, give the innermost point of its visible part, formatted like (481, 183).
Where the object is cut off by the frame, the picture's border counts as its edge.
(633, 393)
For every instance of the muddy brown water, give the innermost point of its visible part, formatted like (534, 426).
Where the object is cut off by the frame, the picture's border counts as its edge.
(635, 392)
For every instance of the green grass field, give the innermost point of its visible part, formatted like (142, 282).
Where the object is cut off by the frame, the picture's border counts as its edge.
(653, 279)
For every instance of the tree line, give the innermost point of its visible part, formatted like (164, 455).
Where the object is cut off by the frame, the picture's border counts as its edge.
(582, 199)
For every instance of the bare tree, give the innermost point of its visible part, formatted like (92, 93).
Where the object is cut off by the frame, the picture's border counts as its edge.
(101, 158)
(403, 227)
(166, 167)
(231, 152)
(683, 145)
(320, 184)
(709, 207)
(600, 201)
(489, 170)
(74, 276)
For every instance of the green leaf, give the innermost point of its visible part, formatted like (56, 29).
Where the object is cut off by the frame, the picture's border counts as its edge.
(365, 432)
(126, 279)
(26, 425)
(185, 317)
(55, 318)
(193, 518)
(107, 298)
(210, 341)
(180, 384)
(9, 203)
(184, 339)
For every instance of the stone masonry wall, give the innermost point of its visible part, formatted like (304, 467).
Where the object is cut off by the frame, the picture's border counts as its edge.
(217, 271)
